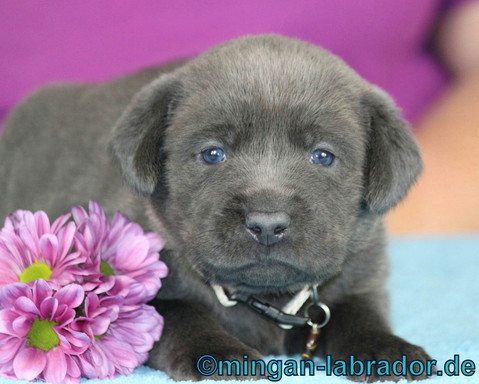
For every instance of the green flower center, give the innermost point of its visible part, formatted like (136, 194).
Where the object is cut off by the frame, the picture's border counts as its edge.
(34, 272)
(106, 269)
(42, 335)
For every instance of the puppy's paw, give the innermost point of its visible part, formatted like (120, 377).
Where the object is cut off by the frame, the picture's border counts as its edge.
(381, 357)
(215, 361)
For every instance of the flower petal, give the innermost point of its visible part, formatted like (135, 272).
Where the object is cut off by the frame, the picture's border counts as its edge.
(10, 293)
(49, 249)
(9, 270)
(48, 308)
(121, 286)
(65, 315)
(79, 214)
(119, 352)
(60, 222)
(156, 242)
(29, 363)
(41, 291)
(8, 349)
(107, 283)
(87, 367)
(92, 302)
(65, 236)
(42, 222)
(56, 368)
(26, 305)
(73, 370)
(76, 342)
(100, 325)
(104, 367)
(131, 253)
(71, 295)
(6, 319)
(22, 325)
(31, 245)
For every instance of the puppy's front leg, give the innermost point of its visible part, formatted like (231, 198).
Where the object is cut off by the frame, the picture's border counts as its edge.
(358, 328)
(190, 333)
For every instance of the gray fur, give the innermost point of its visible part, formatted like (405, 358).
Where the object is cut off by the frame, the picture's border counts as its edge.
(269, 102)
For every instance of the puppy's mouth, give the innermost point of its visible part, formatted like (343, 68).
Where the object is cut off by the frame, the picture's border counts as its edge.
(266, 277)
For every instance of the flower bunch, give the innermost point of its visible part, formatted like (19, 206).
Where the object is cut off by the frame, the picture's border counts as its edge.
(73, 295)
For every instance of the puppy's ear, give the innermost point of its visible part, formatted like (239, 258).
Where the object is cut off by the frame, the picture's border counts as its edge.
(393, 161)
(137, 141)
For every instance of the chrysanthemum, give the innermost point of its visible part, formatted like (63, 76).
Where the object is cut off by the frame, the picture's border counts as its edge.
(121, 256)
(31, 248)
(36, 340)
(121, 335)
(72, 295)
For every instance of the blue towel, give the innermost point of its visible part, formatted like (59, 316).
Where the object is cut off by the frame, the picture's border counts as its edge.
(434, 290)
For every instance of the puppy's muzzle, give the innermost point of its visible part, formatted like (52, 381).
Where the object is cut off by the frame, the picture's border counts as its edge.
(267, 228)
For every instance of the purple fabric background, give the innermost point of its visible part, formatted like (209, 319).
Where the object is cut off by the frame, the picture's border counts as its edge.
(86, 40)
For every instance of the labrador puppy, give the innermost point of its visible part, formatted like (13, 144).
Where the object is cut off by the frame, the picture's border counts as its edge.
(266, 164)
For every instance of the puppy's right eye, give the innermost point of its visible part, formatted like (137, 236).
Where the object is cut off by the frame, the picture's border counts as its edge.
(322, 157)
(213, 155)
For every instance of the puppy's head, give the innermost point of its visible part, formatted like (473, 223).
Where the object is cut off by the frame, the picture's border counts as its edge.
(264, 156)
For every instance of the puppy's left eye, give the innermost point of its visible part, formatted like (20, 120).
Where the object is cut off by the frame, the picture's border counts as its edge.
(213, 155)
(322, 157)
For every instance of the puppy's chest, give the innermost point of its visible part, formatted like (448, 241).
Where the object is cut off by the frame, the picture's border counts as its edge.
(252, 329)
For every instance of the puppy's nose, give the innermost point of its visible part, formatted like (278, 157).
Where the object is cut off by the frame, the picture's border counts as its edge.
(267, 228)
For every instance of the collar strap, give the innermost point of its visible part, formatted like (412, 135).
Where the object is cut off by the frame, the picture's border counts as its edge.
(286, 318)
(222, 297)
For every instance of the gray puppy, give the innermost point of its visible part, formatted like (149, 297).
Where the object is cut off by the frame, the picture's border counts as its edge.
(266, 164)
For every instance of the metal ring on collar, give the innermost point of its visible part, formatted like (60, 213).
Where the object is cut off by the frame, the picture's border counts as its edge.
(327, 315)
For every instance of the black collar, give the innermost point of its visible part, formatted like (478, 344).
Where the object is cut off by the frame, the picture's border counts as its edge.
(317, 314)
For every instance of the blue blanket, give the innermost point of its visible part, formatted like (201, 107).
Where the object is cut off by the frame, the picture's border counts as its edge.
(434, 289)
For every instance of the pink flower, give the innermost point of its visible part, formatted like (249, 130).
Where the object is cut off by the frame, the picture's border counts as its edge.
(122, 258)
(72, 295)
(36, 340)
(31, 248)
(121, 336)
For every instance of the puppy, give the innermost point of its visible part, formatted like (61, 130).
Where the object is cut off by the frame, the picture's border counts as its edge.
(266, 163)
